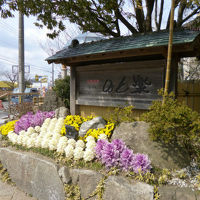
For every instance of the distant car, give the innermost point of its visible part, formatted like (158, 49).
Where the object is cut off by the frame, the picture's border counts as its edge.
(26, 98)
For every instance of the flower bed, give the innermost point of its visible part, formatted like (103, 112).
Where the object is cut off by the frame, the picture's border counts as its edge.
(48, 134)
(41, 130)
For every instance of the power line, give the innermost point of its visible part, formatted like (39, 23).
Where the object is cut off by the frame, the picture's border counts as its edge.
(8, 26)
(15, 63)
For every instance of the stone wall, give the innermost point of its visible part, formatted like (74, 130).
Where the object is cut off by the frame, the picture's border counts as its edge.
(44, 179)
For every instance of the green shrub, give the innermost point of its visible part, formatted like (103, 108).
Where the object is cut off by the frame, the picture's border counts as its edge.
(120, 114)
(62, 89)
(174, 123)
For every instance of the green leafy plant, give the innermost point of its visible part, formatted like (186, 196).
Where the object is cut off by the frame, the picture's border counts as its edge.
(164, 177)
(121, 114)
(4, 176)
(62, 89)
(174, 123)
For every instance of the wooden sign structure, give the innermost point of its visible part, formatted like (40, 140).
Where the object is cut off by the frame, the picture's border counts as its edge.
(123, 71)
(120, 84)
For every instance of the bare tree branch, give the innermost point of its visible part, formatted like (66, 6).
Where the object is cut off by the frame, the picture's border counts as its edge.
(181, 9)
(192, 14)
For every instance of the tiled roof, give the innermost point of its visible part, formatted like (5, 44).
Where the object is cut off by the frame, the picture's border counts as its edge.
(137, 41)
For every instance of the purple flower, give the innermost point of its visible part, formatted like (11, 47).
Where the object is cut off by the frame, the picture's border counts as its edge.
(140, 162)
(119, 145)
(110, 156)
(117, 154)
(99, 147)
(32, 120)
(126, 159)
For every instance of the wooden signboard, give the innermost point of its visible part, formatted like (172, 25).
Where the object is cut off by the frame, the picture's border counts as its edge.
(121, 84)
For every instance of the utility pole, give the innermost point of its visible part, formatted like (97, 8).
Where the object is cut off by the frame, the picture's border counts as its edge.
(21, 54)
(63, 71)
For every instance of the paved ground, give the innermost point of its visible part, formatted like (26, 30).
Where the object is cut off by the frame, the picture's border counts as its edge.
(3, 113)
(8, 192)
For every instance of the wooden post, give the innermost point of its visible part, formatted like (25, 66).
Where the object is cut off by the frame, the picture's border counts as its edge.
(9, 106)
(73, 90)
(169, 57)
(173, 75)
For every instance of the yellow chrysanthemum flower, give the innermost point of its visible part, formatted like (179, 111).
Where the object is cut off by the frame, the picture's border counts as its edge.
(96, 132)
(6, 128)
(74, 120)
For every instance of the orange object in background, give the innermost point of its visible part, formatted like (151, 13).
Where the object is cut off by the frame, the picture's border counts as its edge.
(1, 104)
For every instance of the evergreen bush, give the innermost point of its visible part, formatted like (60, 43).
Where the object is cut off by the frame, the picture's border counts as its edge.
(62, 89)
(174, 122)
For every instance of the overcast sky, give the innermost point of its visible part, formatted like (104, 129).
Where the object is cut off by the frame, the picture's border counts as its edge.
(34, 55)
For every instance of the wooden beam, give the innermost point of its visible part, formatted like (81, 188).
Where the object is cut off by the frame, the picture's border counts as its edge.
(73, 108)
(174, 74)
(177, 49)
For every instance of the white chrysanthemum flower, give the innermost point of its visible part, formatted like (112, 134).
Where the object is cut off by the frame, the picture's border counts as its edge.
(23, 132)
(53, 121)
(59, 125)
(34, 135)
(69, 151)
(30, 130)
(80, 143)
(19, 139)
(53, 144)
(24, 140)
(12, 137)
(88, 155)
(90, 138)
(47, 121)
(103, 136)
(62, 144)
(56, 131)
(91, 144)
(63, 139)
(38, 141)
(44, 128)
(72, 142)
(30, 142)
(56, 136)
(11, 132)
(47, 135)
(61, 119)
(78, 153)
(43, 132)
(45, 143)
(37, 129)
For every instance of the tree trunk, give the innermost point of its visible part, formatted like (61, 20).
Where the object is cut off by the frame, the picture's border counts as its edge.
(138, 7)
(161, 14)
(149, 5)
